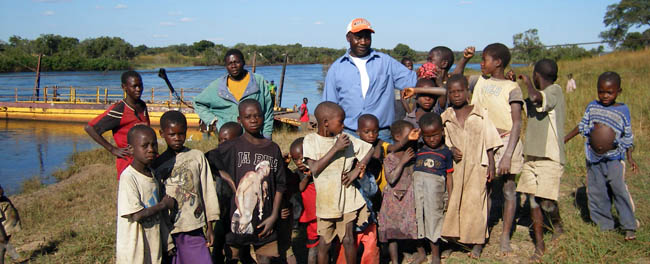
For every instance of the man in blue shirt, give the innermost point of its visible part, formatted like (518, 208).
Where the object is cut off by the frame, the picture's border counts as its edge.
(362, 81)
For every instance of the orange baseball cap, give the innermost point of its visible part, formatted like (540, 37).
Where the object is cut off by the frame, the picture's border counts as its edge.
(359, 24)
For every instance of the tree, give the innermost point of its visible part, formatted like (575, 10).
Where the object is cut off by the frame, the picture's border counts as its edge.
(402, 50)
(527, 46)
(636, 40)
(202, 45)
(623, 16)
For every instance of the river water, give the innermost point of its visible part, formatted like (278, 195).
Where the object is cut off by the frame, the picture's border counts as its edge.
(36, 149)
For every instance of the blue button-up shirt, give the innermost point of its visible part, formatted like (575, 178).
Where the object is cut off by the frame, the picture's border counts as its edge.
(343, 86)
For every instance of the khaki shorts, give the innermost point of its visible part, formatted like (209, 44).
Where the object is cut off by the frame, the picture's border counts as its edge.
(268, 250)
(330, 228)
(517, 160)
(541, 177)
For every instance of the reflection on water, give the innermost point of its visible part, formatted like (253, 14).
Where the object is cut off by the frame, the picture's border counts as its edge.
(37, 149)
(31, 148)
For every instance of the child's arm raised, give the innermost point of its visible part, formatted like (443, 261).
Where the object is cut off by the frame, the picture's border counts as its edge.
(167, 202)
(414, 135)
(533, 94)
(468, 53)
(411, 91)
(317, 166)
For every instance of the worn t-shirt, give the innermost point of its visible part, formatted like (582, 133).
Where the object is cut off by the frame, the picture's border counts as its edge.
(137, 242)
(188, 179)
(434, 161)
(120, 118)
(308, 200)
(9, 216)
(618, 118)
(496, 95)
(334, 199)
(545, 127)
(258, 172)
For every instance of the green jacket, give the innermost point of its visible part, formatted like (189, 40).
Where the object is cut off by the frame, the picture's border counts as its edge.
(216, 102)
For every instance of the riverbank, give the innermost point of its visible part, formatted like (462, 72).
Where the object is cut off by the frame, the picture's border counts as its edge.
(73, 221)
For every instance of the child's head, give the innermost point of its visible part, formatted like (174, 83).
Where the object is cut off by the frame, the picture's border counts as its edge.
(457, 90)
(496, 57)
(545, 69)
(132, 84)
(442, 57)
(250, 116)
(570, 76)
(229, 131)
(406, 61)
(173, 128)
(425, 101)
(143, 144)
(304, 100)
(330, 118)
(432, 131)
(400, 129)
(609, 86)
(368, 128)
(295, 151)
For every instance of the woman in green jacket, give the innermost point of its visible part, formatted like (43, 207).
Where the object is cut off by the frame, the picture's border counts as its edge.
(218, 103)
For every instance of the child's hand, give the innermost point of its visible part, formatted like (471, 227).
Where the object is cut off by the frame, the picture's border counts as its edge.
(504, 165)
(408, 155)
(408, 93)
(209, 239)
(348, 178)
(468, 53)
(267, 226)
(414, 134)
(511, 75)
(121, 152)
(635, 168)
(284, 213)
(287, 158)
(458, 155)
(171, 252)
(490, 172)
(168, 201)
(342, 142)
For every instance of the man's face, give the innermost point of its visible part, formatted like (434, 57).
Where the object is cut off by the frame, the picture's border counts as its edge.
(234, 65)
(360, 43)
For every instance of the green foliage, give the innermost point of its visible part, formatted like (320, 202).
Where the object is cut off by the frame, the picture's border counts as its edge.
(623, 16)
(636, 40)
(528, 48)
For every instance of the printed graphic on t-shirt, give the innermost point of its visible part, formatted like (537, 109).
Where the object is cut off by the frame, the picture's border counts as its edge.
(252, 192)
(491, 89)
(149, 222)
(183, 192)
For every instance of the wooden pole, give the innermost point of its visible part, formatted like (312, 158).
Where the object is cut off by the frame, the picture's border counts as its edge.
(45, 93)
(105, 95)
(98, 94)
(37, 82)
(254, 61)
(284, 69)
(152, 95)
(16, 94)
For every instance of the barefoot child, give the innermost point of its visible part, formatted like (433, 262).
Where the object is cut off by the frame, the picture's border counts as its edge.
(468, 130)
(308, 194)
(331, 156)
(140, 228)
(503, 100)
(433, 163)
(120, 118)
(229, 131)
(10, 225)
(188, 179)
(608, 128)
(253, 167)
(544, 149)
(397, 219)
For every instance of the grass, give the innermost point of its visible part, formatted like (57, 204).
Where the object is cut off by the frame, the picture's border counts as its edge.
(73, 221)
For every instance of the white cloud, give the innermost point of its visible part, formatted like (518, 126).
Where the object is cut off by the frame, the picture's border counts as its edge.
(48, 13)
(160, 36)
(318, 22)
(187, 19)
(465, 2)
(167, 24)
(121, 6)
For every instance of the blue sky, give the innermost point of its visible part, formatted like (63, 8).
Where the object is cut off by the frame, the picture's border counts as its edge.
(419, 24)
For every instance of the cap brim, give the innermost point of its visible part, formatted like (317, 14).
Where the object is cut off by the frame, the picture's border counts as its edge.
(361, 29)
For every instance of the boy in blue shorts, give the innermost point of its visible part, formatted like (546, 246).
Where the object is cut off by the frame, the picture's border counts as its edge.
(608, 128)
